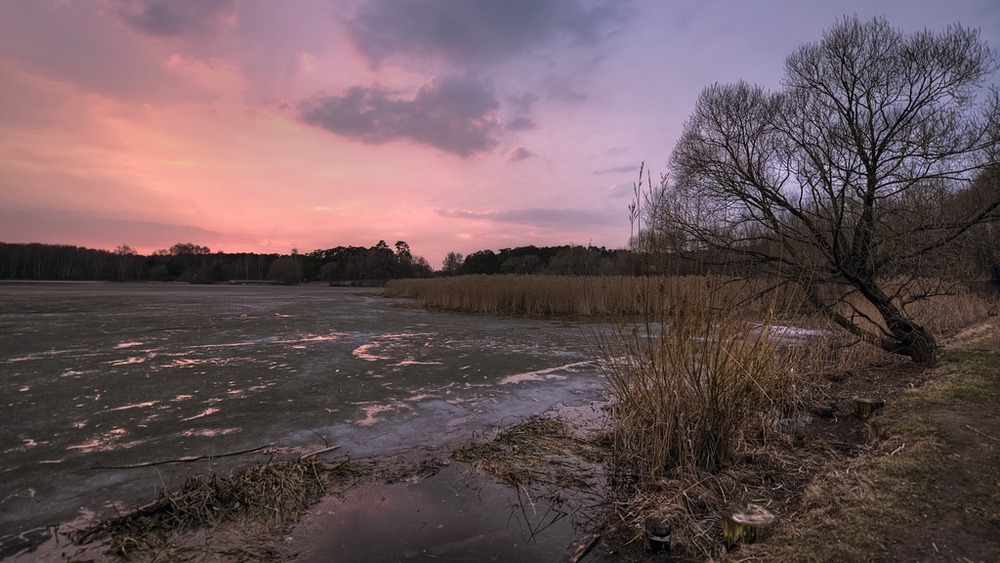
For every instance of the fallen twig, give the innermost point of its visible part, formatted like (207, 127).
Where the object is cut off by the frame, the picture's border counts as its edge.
(188, 459)
(994, 438)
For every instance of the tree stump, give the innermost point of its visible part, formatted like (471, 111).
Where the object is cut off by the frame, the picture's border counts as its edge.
(863, 407)
(658, 532)
(746, 524)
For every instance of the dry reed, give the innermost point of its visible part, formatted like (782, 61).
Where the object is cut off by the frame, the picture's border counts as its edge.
(522, 295)
(607, 297)
(539, 450)
(265, 497)
(695, 379)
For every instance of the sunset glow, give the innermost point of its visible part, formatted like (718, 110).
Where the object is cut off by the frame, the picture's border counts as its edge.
(259, 126)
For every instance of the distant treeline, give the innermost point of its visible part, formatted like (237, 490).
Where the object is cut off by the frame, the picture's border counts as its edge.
(554, 260)
(342, 265)
(198, 264)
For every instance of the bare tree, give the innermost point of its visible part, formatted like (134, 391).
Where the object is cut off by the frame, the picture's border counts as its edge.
(843, 178)
(126, 259)
(452, 264)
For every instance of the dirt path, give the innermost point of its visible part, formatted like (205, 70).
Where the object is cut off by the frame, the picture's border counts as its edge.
(956, 515)
(928, 489)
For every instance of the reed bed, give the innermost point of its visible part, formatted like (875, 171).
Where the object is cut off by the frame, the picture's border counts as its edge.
(608, 297)
(522, 295)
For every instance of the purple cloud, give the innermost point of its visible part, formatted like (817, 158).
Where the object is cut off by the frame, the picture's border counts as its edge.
(632, 168)
(519, 154)
(456, 114)
(479, 31)
(178, 18)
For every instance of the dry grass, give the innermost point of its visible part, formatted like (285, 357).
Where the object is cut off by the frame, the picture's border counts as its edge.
(696, 380)
(605, 297)
(706, 379)
(522, 295)
(539, 450)
(941, 307)
(263, 498)
(872, 507)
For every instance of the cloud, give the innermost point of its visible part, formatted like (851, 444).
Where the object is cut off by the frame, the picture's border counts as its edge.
(456, 114)
(538, 217)
(520, 106)
(76, 43)
(479, 31)
(178, 18)
(52, 226)
(621, 189)
(519, 154)
(632, 168)
(519, 123)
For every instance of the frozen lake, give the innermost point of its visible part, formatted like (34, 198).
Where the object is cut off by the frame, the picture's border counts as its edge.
(109, 374)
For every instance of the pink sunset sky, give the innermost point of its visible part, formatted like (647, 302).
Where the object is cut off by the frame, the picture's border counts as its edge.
(455, 125)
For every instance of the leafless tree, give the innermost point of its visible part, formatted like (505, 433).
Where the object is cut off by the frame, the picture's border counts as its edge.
(128, 264)
(452, 264)
(844, 180)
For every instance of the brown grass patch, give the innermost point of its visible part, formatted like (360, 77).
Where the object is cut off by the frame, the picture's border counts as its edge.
(928, 486)
(262, 498)
(540, 450)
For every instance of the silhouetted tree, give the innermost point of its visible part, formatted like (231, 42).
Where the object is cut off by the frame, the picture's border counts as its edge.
(481, 262)
(452, 263)
(838, 178)
(127, 263)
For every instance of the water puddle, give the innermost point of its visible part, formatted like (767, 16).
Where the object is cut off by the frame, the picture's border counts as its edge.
(454, 515)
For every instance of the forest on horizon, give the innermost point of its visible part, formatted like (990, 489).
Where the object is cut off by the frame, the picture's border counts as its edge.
(341, 265)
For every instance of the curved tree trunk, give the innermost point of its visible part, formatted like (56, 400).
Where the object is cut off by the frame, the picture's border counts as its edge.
(910, 340)
(904, 336)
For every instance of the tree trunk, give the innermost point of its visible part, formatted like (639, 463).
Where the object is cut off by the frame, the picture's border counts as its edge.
(911, 339)
(904, 337)
(920, 346)
(907, 337)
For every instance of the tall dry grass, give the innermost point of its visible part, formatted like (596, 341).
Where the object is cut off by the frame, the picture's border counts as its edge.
(941, 307)
(590, 296)
(696, 379)
(606, 297)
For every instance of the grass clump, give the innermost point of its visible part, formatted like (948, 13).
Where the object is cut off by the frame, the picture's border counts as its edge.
(263, 498)
(538, 451)
(696, 380)
(705, 379)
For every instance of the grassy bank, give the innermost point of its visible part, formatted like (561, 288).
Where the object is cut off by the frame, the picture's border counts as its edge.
(928, 489)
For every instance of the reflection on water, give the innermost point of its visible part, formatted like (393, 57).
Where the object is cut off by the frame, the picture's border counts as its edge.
(125, 374)
(453, 516)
